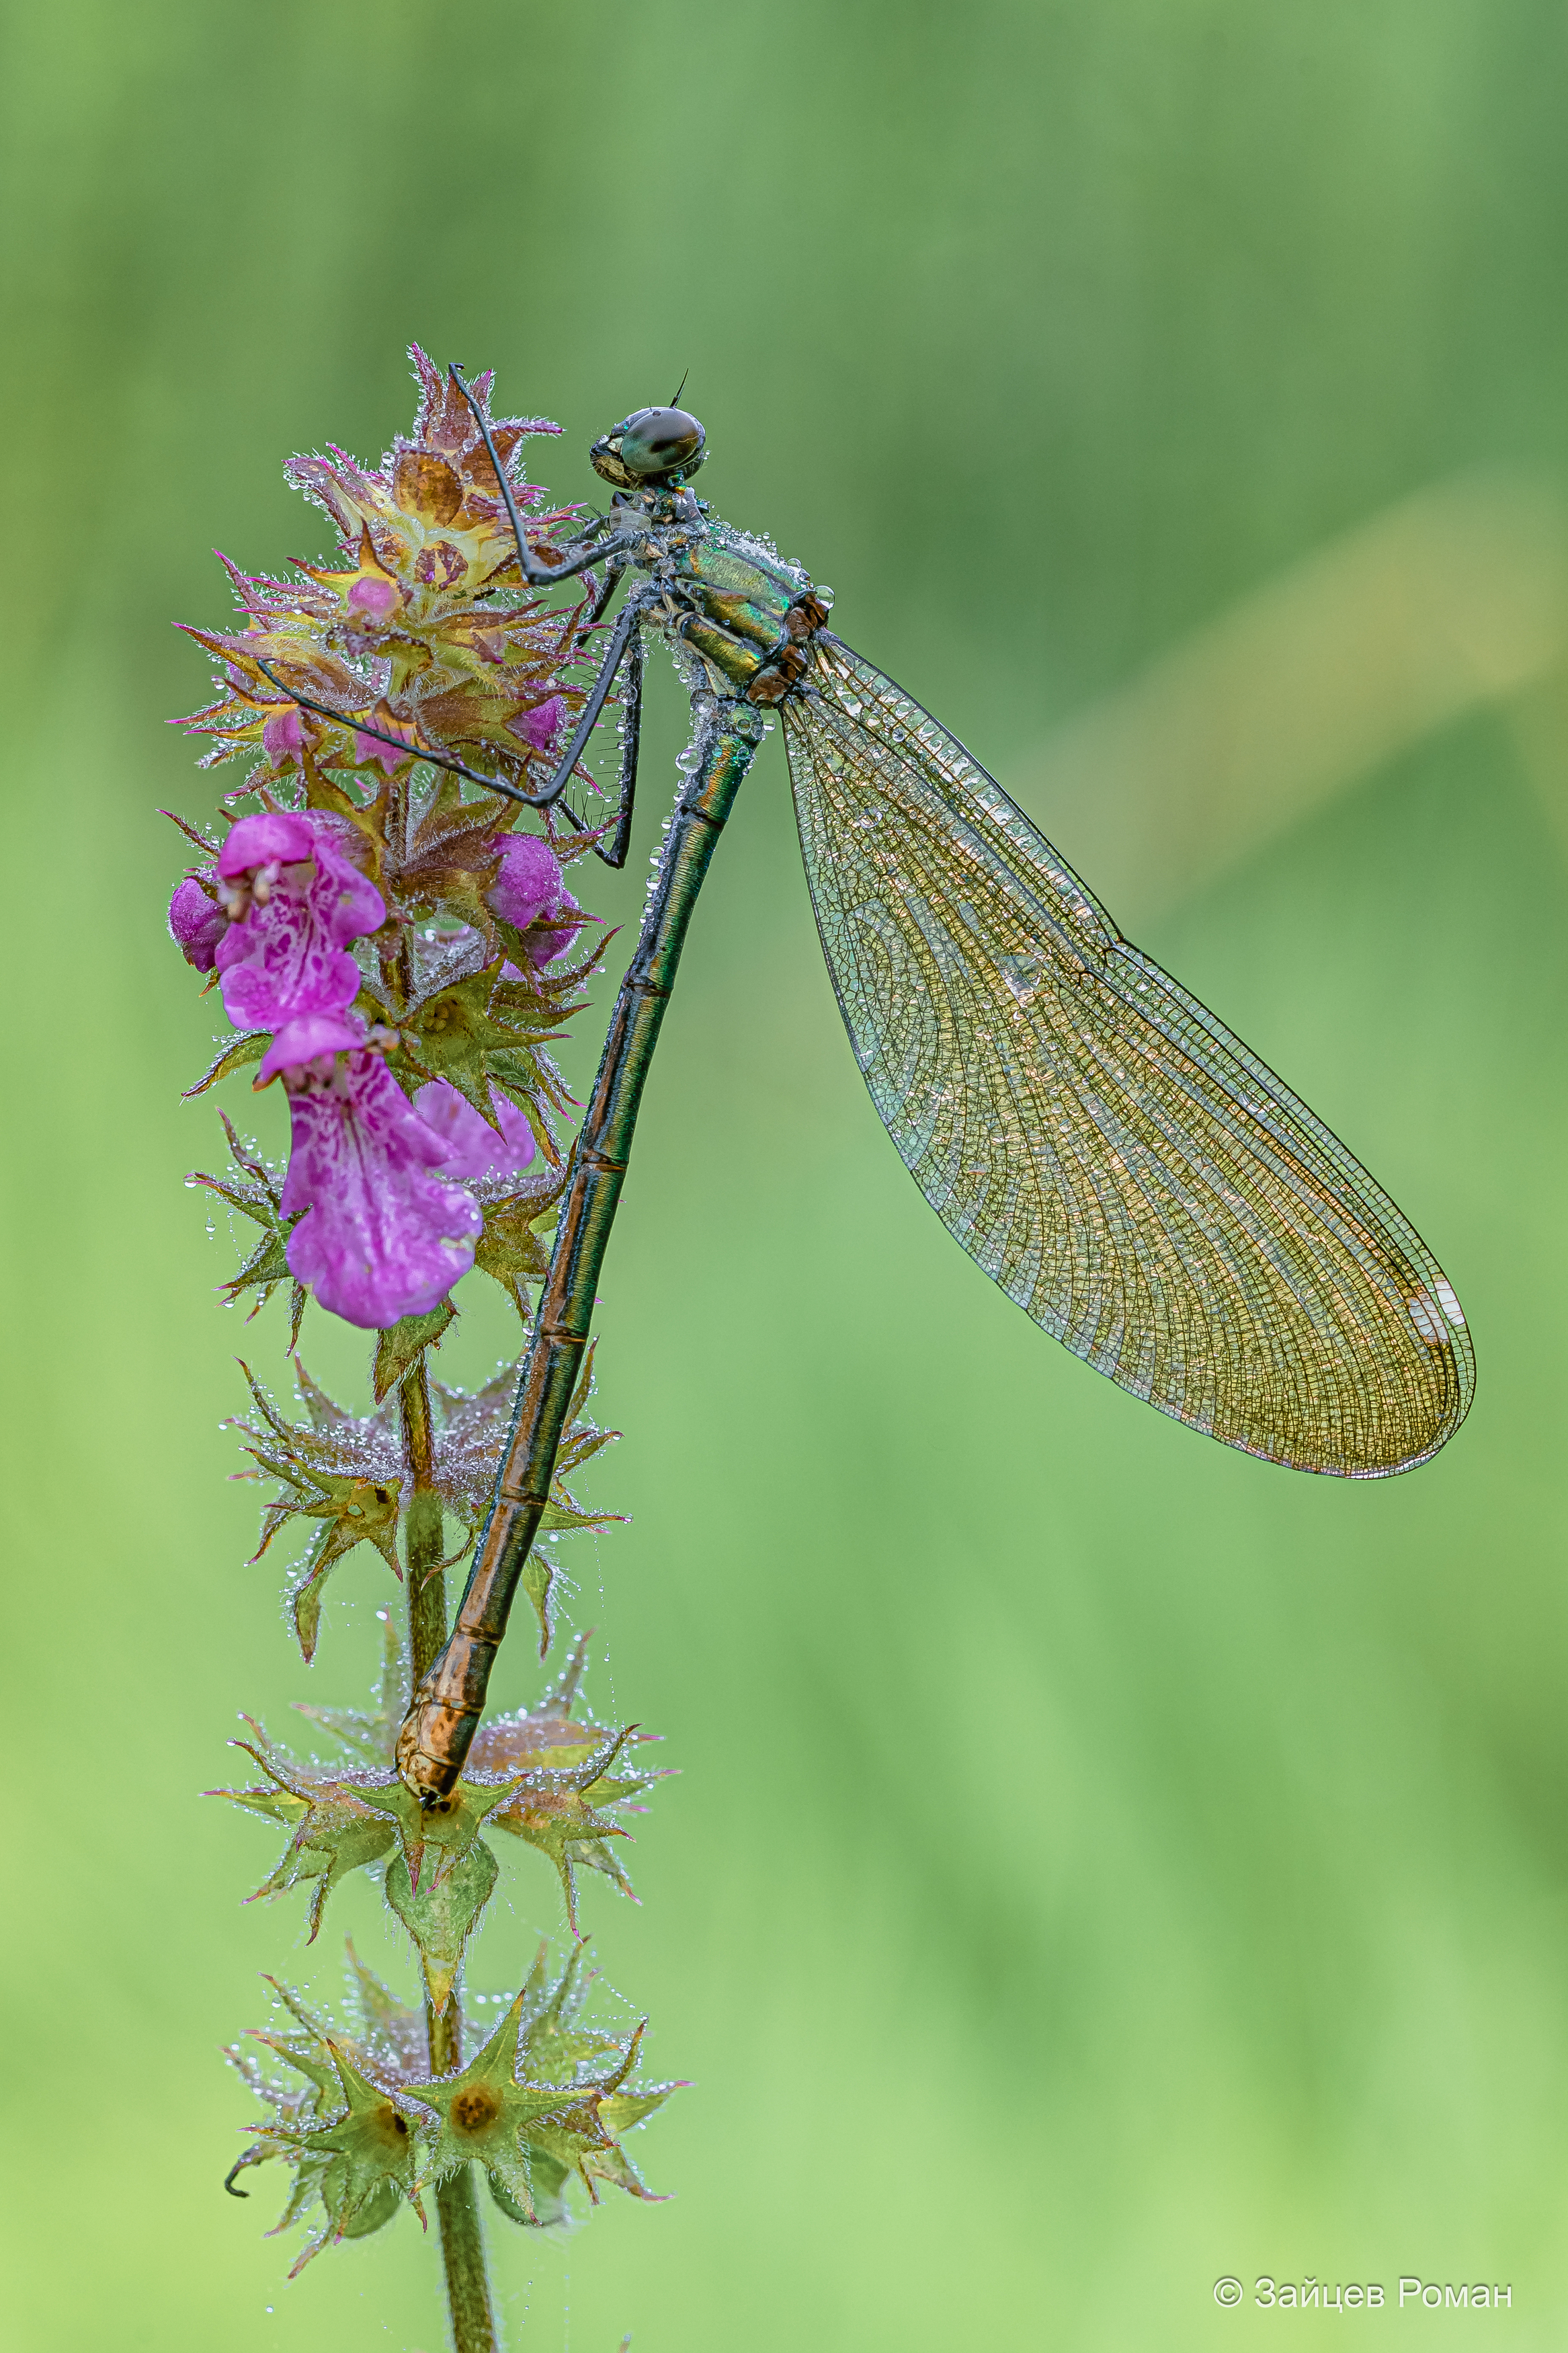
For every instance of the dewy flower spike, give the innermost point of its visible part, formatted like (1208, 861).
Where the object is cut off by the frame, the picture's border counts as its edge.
(394, 949)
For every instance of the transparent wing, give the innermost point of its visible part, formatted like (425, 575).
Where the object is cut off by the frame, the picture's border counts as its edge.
(1139, 1182)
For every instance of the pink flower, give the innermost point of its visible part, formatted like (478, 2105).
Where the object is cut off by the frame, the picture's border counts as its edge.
(529, 889)
(540, 727)
(197, 923)
(558, 939)
(530, 880)
(376, 597)
(373, 748)
(307, 1039)
(294, 899)
(474, 1149)
(283, 737)
(380, 1237)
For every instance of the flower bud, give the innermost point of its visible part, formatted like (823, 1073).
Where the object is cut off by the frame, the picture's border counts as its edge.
(197, 923)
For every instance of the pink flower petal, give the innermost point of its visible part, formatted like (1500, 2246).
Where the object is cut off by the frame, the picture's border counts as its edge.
(549, 945)
(308, 1038)
(371, 747)
(197, 923)
(474, 1149)
(376, 597)
(380, 1237)
(530, 880)
(540, 727)
(285, 958)
(283, 737)
(277, 836)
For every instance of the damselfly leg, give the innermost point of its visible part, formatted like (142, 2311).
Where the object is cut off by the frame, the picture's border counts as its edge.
(631, 740)
(627, 635)
(580, 555)
(537, 574)
(414, 751)
(591, 547)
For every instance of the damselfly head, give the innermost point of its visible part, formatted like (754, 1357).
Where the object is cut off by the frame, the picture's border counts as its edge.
(655, 449)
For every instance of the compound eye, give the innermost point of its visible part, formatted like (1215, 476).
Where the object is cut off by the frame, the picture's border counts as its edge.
(660, 441)
(658, 446)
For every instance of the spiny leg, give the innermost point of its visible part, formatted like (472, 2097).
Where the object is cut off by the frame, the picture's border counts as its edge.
(631, 739)
(624, 629)
(413, 751)
(626, 633)
(597, 611)
(620, 637)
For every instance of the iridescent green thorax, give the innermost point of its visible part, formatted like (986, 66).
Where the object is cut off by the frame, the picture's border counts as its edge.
(748, 614)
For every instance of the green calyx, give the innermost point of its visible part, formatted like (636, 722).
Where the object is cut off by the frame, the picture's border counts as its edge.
(349, 1477)
(479, 1031)
(544, 1776)
(345, 1473)
(256, 1194)
(365, 2125)
(533, 2110)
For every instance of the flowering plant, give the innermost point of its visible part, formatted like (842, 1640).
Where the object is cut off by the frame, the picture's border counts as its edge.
(395, 944)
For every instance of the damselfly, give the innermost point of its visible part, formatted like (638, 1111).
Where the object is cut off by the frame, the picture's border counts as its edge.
(1138, 1181)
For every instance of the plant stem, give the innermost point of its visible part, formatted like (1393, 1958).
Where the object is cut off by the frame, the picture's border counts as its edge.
(422, 1523)
(457, 2210)
(463, 2253)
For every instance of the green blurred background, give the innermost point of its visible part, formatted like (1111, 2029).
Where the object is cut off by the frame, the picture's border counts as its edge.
(1101, 1862)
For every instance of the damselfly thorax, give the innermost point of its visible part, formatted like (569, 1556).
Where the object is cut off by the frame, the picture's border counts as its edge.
(749, 616)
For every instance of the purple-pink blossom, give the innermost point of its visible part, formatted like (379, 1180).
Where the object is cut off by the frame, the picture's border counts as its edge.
(307, 1039)
(373, 747)
(381, 1237)
(540, 727)
(554, 941)
(294, 899)
(374, 596)
(197, 923)
(532, 889)
(530, 879)
(283, 736)
(474, 1149)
